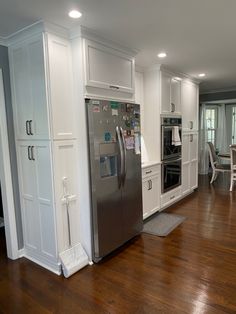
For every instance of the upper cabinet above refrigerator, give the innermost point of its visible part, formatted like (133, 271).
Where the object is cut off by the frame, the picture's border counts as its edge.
(109, 72)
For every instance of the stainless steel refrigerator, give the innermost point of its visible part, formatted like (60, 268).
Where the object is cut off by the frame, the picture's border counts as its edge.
(115, 172)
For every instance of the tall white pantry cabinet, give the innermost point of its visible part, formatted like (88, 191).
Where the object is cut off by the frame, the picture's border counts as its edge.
(46, 140)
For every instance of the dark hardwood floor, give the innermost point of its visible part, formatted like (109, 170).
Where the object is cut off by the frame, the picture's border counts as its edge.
(193, 270)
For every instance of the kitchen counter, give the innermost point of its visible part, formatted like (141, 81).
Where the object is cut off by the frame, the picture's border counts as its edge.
(147, 164)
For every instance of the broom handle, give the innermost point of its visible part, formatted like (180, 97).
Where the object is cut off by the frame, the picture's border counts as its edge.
(66, 196)
(68, 220)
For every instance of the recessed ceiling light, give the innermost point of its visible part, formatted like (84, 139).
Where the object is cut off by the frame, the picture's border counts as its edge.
(201, 74)
(162, 55)
(74, 14)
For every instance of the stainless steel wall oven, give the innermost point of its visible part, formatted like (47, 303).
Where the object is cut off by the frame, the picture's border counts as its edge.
(168, 149)
(171, 152)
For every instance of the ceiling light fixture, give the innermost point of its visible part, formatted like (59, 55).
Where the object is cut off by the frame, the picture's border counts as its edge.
(201, 74)
(162, 55)
(74, 14)
(178, 78)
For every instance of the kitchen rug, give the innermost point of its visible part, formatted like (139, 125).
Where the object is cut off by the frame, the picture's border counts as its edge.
(162, 224)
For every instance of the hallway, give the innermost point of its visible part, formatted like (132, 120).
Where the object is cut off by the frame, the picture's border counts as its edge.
(190, 271)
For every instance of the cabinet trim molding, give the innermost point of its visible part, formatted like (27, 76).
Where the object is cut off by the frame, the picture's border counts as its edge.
(6, 181)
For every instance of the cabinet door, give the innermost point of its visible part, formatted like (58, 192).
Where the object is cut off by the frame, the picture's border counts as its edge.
(194, 174)
(44, 198)
(151, 196)
(108, 68)
(65, 168)
(165, 92)
(28, 192)
(185, 147)
(175, 91)
(189, 102)
(39, 124)
(193, 147)
(139, 96)
(22, 107)
(185, 178)
(61, 88)
(29, 89)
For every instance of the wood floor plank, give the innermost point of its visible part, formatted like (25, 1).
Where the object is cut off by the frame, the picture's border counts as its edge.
(192, 270)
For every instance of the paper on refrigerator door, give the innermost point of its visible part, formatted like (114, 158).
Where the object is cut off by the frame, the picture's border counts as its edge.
(129, 142)
(137, 144)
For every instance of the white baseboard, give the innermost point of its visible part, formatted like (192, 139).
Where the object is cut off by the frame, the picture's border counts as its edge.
(21, 253)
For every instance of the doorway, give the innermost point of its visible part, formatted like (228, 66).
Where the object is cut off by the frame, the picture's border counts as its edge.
(7, 198)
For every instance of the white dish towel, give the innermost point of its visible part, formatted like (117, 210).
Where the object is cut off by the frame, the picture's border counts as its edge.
(175, 136)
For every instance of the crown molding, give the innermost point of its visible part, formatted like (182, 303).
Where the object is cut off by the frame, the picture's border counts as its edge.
(89, 34)
(219, 90)
(183, 76)
(36, 28)
(3, 41)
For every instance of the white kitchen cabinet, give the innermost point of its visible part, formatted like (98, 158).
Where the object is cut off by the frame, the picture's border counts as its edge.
(29, 89)
(170, 94)
(139, 96)
(109, 72)
(170, 197)
(151, 182)
(65, 168)
(190, 105)
(38, 212)
(189, 162)
(48, 154)
(41, 79)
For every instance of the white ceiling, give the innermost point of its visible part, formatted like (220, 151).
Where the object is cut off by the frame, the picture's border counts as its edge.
(198, 35)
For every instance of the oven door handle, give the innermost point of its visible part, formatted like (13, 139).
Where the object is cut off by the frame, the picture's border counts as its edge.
(171, 161)
(170, 127)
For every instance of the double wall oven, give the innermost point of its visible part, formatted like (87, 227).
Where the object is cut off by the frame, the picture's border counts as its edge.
(171, 152)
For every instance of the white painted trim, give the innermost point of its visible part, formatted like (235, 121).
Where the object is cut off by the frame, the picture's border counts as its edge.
(220, 90)
(55, 268)
(219, 102)
(6, 181)
(34, 29)
(90, 34)
(21, 253)
(3, 41)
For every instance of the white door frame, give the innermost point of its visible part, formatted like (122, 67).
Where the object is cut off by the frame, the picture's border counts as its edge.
(6, 181)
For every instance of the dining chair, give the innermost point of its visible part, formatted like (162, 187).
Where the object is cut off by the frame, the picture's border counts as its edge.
(233, 166)
(215, 164)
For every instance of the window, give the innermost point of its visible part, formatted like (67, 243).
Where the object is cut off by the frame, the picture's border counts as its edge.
(211, 124)
(234, 125)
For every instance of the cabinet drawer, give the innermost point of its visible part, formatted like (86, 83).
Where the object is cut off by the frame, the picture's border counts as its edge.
(151, 195)
(170, 197)
(150, 171)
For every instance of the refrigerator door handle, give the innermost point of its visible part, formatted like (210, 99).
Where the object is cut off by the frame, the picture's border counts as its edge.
(121, 168)
(124, 154)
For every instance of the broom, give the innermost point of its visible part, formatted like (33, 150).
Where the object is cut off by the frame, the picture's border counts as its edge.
(74, 258)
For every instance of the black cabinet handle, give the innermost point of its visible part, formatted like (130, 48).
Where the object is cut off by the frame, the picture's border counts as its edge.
(29, 154)
(172, 107)
(30, 127)
(27, 127)
(32, 153)
(114, 87)
(149, 185)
